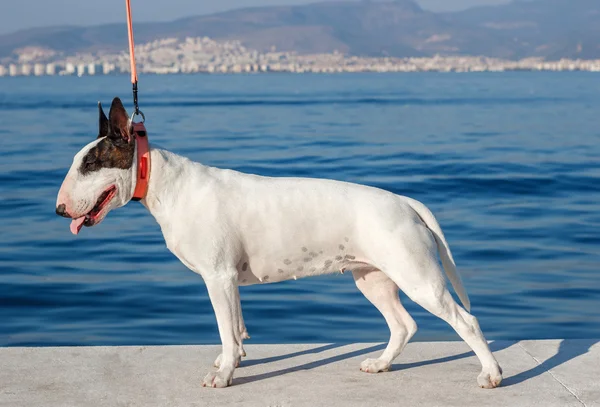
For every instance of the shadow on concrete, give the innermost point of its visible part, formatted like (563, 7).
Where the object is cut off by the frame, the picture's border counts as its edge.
(494, 347)
(305, 366)
(290, 355)
(568, 349)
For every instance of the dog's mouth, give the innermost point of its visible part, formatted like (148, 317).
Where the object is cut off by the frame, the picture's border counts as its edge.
(94, 216)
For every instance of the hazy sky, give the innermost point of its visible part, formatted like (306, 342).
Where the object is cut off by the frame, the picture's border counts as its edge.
(19, 14)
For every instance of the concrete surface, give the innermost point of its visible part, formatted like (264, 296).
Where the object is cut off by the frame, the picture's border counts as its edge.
(536, 373)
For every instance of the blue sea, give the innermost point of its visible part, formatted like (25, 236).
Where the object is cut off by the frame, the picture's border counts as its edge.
(508, 162)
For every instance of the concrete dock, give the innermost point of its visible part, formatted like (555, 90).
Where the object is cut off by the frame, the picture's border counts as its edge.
(536, 373)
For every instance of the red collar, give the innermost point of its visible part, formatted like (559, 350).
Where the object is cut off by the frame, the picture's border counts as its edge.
(143, 161)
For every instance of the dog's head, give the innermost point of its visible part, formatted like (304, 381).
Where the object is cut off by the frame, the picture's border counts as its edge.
(102, 176)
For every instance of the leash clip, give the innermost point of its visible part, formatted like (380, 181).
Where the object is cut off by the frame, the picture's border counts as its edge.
(138, 112)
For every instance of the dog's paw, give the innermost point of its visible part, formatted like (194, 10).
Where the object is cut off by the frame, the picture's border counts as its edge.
(217, 363)
(374, 366)
(218, 379)
(490, 378)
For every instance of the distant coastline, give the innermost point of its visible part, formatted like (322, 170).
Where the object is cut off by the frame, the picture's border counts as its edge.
(204, 55)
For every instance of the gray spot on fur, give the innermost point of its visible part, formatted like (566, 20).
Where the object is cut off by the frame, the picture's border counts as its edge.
(307, 259)
(304, 249)
(244, 280)
(328, 263)
(287, 262)
(300, 268)
(341, 247)
(349, 257)
(280, 271)
(244, 266)
(266, 278)
(313, 254)
(313, 269)
(338, 258)
(346, 239)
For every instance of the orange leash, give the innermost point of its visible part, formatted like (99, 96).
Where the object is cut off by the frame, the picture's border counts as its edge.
(140, 134)
(134, 77)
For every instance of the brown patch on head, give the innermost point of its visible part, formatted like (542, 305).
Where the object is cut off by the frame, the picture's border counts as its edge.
(116, 149)
(106, 154)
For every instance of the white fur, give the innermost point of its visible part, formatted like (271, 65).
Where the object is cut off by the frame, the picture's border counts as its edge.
(238, 229)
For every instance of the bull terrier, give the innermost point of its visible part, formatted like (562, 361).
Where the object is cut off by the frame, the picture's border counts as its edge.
(237, 229)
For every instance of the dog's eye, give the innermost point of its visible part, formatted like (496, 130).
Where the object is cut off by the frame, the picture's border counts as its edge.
(90, 158)
(88, 162)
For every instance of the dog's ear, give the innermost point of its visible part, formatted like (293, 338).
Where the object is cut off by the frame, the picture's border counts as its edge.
(103, 125)
(119, 123)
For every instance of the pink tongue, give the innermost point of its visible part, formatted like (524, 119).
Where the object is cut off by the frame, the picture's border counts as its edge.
(77, 224)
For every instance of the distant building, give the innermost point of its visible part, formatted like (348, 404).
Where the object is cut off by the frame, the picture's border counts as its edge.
(3, 71)
(69, 68)
(13, 70)
(50, 69)
(94, 69)
(26, 69)
(80, 70)
(107, 68)
(39, 69)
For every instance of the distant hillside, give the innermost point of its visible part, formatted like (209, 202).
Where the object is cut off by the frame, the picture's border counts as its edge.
(552, 29)
(545, 28)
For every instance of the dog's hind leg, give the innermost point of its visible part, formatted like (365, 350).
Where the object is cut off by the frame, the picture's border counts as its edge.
(383, 294)
(413, 266)
(467, 327)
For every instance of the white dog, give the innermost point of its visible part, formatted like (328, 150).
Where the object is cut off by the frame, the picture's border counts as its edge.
(238, 229)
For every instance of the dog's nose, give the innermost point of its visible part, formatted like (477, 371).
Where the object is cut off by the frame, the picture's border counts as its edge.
(61, 210)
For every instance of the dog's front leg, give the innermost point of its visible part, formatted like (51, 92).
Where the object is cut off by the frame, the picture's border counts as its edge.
(243, 335)
(224, 296)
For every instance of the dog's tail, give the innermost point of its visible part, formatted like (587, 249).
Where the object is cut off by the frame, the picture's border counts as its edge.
(445, 254)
